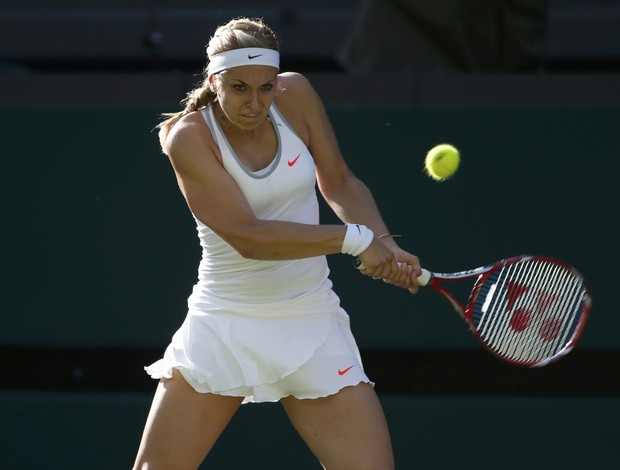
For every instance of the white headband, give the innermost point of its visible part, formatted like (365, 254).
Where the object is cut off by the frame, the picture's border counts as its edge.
(246, 56)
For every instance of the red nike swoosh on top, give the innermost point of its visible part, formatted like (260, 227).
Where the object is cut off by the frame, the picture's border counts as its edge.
(344, 371)
(292, 162)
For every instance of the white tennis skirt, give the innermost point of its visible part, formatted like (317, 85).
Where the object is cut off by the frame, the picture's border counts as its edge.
(264, 360)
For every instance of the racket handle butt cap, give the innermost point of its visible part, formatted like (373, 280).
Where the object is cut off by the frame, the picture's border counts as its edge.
(425, 278)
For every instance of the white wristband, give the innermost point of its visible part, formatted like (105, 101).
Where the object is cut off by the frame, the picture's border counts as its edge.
(356, 239)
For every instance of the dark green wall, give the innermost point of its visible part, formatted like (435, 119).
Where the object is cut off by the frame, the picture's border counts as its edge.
(100, 249)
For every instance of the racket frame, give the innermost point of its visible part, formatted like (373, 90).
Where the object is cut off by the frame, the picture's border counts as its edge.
(435, 280)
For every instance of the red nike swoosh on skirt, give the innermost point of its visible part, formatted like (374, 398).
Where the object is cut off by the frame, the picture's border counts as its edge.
(344, 371)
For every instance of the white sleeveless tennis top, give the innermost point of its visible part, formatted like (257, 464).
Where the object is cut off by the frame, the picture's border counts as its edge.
(254, 322)
(285, 190)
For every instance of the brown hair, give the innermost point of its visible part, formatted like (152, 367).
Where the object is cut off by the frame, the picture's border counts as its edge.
(238, 33)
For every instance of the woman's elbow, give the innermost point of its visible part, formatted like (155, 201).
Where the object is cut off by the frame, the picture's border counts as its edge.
(247, 250)
(249, 246)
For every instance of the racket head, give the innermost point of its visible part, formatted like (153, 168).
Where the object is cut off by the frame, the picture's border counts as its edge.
(529, 310)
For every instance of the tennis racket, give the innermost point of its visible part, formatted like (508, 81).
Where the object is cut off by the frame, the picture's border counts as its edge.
(528, 310)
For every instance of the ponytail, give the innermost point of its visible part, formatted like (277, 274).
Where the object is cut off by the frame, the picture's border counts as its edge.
(196, 99)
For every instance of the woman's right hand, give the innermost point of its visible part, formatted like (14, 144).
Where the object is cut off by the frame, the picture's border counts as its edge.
(398, 267)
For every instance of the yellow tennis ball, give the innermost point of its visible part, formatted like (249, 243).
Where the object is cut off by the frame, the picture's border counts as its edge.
(442, 161)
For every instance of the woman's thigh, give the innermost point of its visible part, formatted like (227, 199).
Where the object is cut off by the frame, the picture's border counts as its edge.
(183, 425)
(345, 431)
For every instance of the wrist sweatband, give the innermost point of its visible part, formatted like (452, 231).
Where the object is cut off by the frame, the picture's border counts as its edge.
(356, 239)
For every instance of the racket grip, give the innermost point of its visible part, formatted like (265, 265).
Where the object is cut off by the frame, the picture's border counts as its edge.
(423, 279)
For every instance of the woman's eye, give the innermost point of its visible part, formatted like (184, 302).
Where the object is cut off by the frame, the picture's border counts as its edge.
(239, 87)
(267, 87)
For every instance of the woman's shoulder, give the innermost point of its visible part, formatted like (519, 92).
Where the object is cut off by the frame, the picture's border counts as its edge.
(296, 96)
(187, 132)
(294, 85)
(292, 78)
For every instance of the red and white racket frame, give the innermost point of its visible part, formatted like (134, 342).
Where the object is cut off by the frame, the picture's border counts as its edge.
(434, 281)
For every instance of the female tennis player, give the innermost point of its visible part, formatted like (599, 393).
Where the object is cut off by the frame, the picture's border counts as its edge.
(263, 322)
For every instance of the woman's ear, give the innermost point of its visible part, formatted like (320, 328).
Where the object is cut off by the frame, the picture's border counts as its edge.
(211, 84)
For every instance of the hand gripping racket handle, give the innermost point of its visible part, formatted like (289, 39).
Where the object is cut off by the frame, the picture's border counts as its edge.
(424, 279)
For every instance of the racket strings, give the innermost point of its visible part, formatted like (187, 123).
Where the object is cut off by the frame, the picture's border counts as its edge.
(554, 310)
(546, 336)
(549, 315)
(529, 311)
(526, 346)
(499, 330)
(557, 332)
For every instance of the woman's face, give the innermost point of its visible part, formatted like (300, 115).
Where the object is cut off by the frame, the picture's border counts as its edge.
(245, 94)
